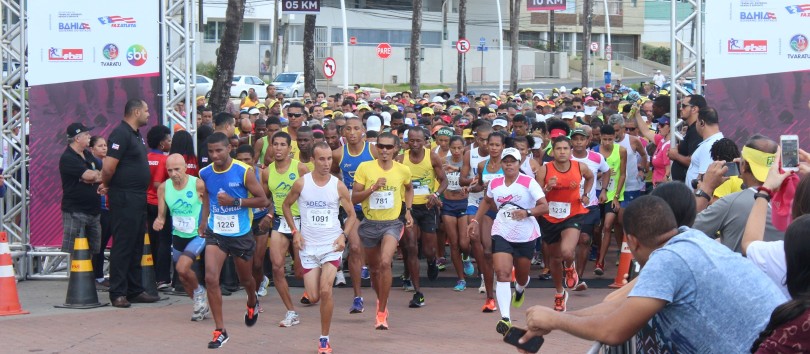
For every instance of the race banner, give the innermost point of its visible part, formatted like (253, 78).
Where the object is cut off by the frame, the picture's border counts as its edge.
(86, 59)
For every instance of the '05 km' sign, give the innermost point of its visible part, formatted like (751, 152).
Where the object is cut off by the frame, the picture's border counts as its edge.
(300, 6)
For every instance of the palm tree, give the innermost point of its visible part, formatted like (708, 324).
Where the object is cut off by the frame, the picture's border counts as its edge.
(226, 55)
(416, 46)
(461, 77)
(514, 29)
(309, 54)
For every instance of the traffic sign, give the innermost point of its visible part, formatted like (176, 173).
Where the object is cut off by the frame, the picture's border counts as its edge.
(384, 50)
(609, 48)
(482, 48)
(352, 40)
(463, 45)
(482, 41)
(329, 68)
(594, 46)
(608, 56)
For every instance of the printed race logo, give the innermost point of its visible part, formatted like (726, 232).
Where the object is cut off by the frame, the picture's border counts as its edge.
(752, 3)
(757, 16)
(801, 10)
(63, 54)
(136, 55)
(118, 21)
(74, 27)
(110, 53)
(747, 45)
(798, 43)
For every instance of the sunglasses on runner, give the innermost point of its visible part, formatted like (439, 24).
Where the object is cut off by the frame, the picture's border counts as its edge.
(386, 147)
(296, 115)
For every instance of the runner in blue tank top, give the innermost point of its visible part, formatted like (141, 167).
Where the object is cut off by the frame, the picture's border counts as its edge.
(232, 190)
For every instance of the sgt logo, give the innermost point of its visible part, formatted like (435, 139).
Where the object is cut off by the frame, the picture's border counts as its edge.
(189, 194)
(292, 176)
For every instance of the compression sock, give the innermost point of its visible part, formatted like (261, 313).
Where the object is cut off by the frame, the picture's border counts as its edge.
(503, 293)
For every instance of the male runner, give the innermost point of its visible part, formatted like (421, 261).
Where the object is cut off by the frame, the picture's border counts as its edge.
(232, 190)
(426, 169)
(321, 240)
(182, 195)
(245, 154)
(272, 125)
(277, 181)
(379, 186)
(305, 144)
(616, 157)
(345, 162)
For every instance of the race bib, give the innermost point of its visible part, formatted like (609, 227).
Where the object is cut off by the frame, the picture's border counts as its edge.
(185, 224)
(559, 210)
(419, 189)
(226, 224)
(506, 213)
(320, 218)
(283, 227)
(381, 200)
(453, 181)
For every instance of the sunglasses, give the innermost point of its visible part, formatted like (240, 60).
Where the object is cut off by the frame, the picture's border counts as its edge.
(629, 129)
(296, 115)
(386, 147)
(685, 105)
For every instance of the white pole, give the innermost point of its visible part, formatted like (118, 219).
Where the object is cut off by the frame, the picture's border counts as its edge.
(607, 28)
(345, 46)
(500, 35)
(444, 27)
(673, 70)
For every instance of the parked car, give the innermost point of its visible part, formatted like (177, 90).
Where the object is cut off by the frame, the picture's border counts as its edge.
(242, 83)
(204, 84)
(290, 84)
(688, 86)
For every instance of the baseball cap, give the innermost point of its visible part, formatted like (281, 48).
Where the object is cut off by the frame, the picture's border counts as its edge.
(253, 111)
(579, 114)
(349, 115)
(386, 118)
(493, 95)
(373, 123)
(499, 122)
(447, 119)
(759, 161)
(76, 129)
(428, 110)
(438, 99)
(464, 99)
(662, 120)
(467, 133)
(511, 152)
(579, 132)
(567, 115)
(408, 121)
(463, 122)
(199, 97)
(364, 106)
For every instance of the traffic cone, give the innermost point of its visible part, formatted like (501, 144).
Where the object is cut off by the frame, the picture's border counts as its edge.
(624, 266)
(81, 293)
(148, 269)
(9, 301)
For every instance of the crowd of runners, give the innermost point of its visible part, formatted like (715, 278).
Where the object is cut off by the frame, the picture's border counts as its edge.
(485, 185)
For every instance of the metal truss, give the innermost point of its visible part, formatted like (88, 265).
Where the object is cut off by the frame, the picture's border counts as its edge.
(686, 54)
(178, 21)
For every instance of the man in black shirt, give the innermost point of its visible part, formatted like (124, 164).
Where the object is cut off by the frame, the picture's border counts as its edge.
(125, 176)
(80, 177)
(681, 155)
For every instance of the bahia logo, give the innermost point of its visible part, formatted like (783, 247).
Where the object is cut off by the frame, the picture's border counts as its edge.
(801, 10)
(74, 27)
(757, 16)
(747, 45)
(64, 54)
(136, 55)
(110, 53)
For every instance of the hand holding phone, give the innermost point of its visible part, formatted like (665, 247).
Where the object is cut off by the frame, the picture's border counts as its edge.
(513, 336)
(732, 169)
(790, 152)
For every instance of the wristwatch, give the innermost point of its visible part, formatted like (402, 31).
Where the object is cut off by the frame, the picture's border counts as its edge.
(702, 194)
(237, 202)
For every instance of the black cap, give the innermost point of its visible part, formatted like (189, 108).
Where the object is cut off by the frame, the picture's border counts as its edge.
(76, 129)
(579, 132)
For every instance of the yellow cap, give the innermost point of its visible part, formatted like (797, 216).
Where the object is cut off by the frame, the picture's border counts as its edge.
(467, 133)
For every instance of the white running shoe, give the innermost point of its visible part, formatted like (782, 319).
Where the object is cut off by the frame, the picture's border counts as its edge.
(340, 279)
(262, 291)
(483, 288)
(291, 319)
(200, 307)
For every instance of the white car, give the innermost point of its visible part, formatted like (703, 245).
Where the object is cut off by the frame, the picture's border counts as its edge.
(204, 84)
(242, 83)
(290, 84)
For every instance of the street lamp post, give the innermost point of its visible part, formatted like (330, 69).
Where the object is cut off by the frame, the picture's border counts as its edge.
(500, 35)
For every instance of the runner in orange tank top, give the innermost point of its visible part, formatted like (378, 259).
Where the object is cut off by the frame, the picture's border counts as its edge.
(561, 179)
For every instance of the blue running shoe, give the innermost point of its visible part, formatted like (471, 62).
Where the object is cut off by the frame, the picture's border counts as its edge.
(357, 305)
(364, 273)
(460, 285)
(468, 266)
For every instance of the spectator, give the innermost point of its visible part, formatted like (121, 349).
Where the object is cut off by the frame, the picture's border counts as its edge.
(125, 177)
(98, 147)
(679, 198)
(680, 154)
(183, 144)
(659, 79)
(202, 151)
(159, 140)
(684, 290)
(206, 116)
(726, 150)
(709, 129)
(80, 173)
(725, 219)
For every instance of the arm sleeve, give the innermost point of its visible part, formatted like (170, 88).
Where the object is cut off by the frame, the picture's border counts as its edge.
(711, 219)
(663, 277)
(118, 143)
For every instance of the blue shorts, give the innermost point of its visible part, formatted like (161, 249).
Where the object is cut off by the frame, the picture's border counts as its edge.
(454, 208)
(629, 196)
(190, 247)
(472, 209)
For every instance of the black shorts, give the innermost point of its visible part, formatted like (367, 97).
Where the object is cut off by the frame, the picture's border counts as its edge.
(609, 208)
(237, 246)
(454, 208)
(552, 233)
(254, 227)
(591, 219)
(516, 249)
(425, 218)
(277, 224)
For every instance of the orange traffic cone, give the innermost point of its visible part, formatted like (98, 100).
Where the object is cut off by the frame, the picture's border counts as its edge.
(148, 268)
(81, 293)
(9, 301)
(624, 266)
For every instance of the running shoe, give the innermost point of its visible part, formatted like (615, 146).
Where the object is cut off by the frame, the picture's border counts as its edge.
(220, 338)
(364, 273)
(536, 259)
(291, 319)
(382, 320)
(417, 301)
(594, 254)
(581, 286)
(517, 298)
(571, 276)
(489, 306)
(305, 299)
(261, 309)
(599, 269)
(503, 325)
(164, 286)
(252, 314)
(469, 269)
(357, 305)
(432, 270)
(461, 285)
(545, 274)
(407, 285)
(340, 279)
(441, 263)
(263, 286)
(324, 347)
(560, 301)
(200, 307)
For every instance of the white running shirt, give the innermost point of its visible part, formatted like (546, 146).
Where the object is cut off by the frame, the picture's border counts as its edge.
(523, 193)
(596, 163)
(319, 212)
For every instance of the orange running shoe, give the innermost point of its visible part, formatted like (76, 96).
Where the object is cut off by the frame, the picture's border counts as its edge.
(561, 301)
(571, 276)
(382, 320)
(489, 306)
